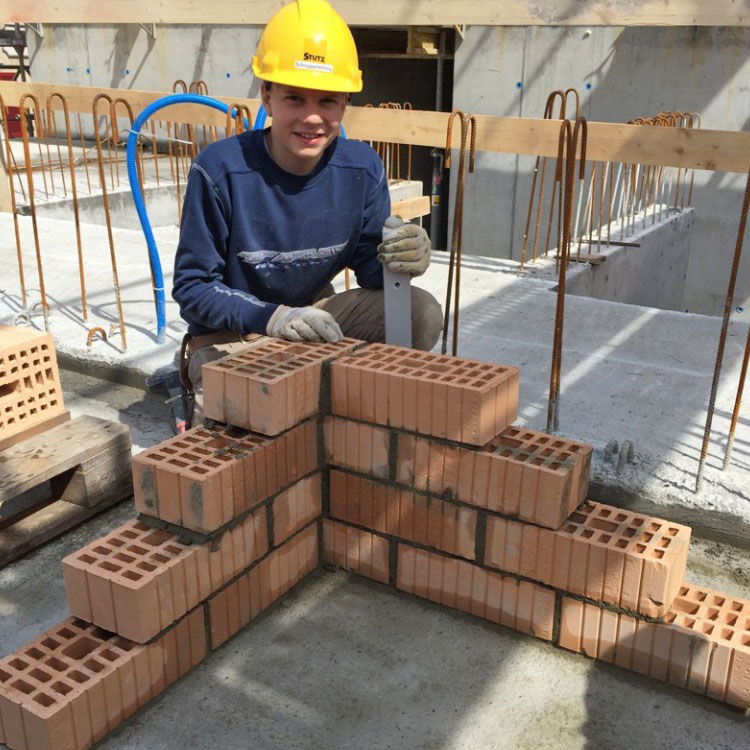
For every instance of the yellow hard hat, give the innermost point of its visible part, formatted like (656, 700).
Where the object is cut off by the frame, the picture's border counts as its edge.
(308, 44)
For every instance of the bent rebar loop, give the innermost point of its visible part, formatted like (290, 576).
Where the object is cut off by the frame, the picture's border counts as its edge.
(74, 190)
(547, 115)
(557, 180)
(237, 115)
(468, 123)
(568, 146)
(30, 186)
(9, 164)
(105, 201)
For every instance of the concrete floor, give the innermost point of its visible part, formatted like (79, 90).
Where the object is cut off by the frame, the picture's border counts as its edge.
(346, 663)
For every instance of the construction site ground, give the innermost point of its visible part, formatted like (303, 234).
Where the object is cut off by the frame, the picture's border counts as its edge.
(343, 662)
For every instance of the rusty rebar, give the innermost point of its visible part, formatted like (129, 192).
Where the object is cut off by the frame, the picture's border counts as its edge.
(468, 123)
(568, 141)
(9, 162)
(74, 191)
(30, 185)
(723, 334)
(547, 115)
(83, 150)
(105, 200)
(737, 404)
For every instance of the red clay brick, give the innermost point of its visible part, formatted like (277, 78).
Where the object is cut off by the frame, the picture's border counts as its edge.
(356, 446)
(404, 513)
(203, 479)
(353, 549)
(459, 399)
(70, 686)
(271, 386)
(137, 581)
(296, 507)
(240, 602)
(536, 477)
(702, 645)
(603, 553)
(517, 604)
(30, 390)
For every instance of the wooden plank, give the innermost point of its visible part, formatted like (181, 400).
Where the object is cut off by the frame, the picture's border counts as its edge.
(64, 447)
(49, 522)
(92, 481)
(410, 208)
(593, 259)
(80, 99)
(716, 150)
(63, 416)
(393, 12)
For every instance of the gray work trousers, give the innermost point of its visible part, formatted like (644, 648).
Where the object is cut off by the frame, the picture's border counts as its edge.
(360, 314)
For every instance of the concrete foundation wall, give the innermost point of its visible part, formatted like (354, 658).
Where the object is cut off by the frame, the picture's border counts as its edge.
(126, 56)
(650, 272)
(621, 74)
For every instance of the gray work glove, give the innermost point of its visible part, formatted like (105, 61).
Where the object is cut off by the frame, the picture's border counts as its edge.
(405, 247)
(303, 324)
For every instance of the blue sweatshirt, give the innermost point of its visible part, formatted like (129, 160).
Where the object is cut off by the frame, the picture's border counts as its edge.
(254, 236)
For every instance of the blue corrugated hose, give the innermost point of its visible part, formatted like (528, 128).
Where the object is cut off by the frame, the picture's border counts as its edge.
(140, 206)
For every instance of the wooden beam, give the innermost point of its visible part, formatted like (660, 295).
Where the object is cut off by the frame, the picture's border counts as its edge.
(393, 12)
(716, 150)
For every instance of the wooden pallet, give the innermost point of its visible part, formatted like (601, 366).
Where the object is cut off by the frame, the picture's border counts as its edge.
(55, 480)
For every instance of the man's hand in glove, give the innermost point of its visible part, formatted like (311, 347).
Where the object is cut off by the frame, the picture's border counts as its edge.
(405, 247)
(303, 324)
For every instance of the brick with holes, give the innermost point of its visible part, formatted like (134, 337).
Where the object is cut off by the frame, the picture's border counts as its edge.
(357, 550)
(137, 581)
(271, 386)
(448, 397)
(30, 389)
(536, 477)
(604, 553)
(204, 478)
(76, 682)
(240, 602)
(404, 513)
(703, 644)
(520, 605)
(356, 446)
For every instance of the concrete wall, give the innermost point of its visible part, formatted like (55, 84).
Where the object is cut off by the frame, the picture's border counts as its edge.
(621, 74)
(649, 271)
(126, 56)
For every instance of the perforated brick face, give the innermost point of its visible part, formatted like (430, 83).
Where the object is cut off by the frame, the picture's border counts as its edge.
(137, 581)
(703, 644)
(30, 391)
(70, 686)
(204, 478)
(604, 553)
(271, 386)
(458, 399)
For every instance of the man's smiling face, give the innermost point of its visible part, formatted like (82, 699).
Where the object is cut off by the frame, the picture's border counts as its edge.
(304, 122)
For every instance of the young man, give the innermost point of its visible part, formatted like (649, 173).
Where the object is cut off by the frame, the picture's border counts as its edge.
(271, 217)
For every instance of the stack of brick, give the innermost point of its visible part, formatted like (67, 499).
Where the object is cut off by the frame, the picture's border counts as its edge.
(408, 469)
(229, 523)
(30, 391)
(432, 490)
